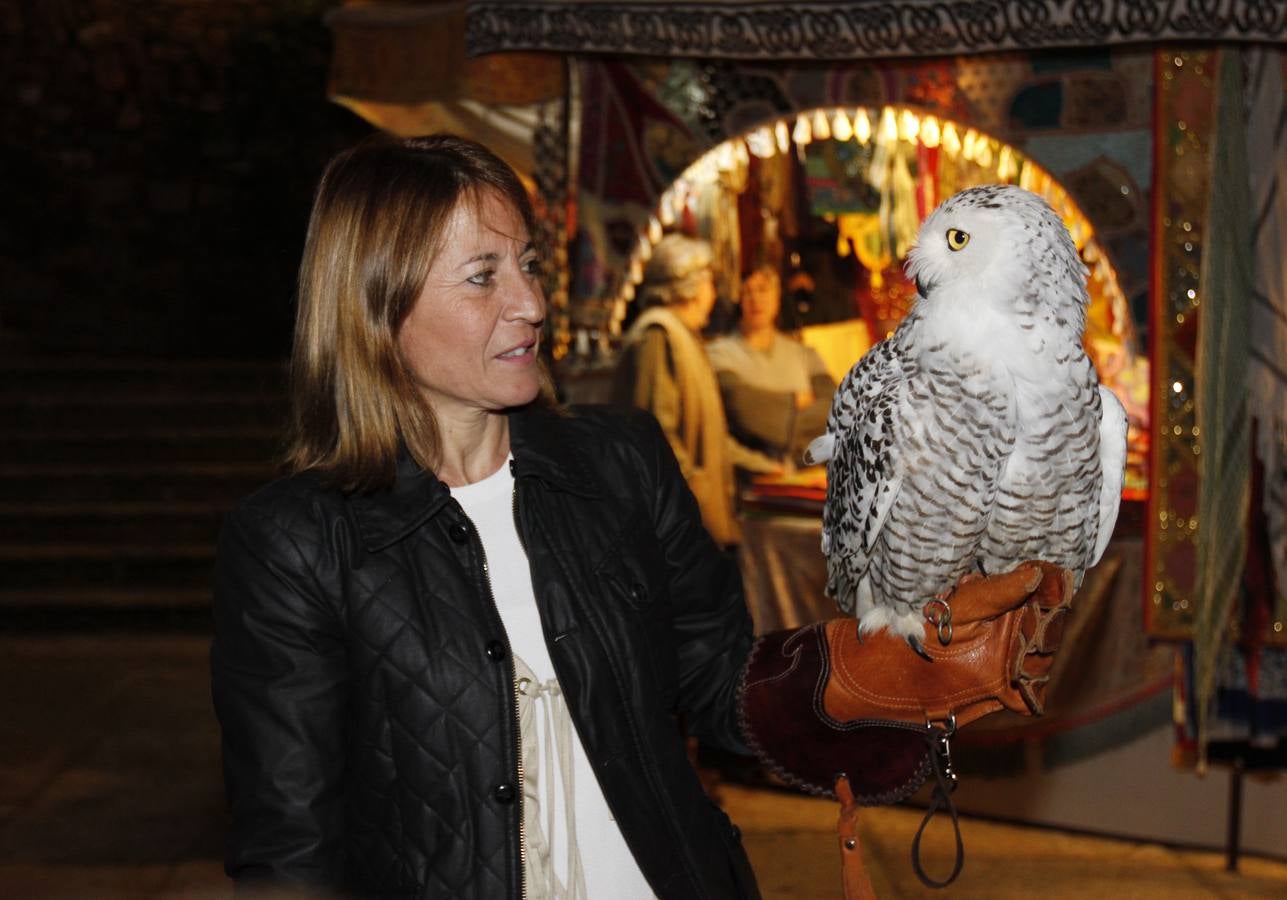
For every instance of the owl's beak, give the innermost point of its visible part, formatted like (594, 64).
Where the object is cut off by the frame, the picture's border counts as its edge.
(923, 287)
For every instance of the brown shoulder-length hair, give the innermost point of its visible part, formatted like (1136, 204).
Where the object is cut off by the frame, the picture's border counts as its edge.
(377, 224)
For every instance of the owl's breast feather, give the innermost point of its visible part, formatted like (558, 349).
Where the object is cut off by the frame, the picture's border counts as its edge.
(964, 325)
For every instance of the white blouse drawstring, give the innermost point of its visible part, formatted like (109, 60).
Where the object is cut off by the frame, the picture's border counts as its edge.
(545, 746)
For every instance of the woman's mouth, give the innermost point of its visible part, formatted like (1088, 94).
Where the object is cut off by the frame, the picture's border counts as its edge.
(519, 352)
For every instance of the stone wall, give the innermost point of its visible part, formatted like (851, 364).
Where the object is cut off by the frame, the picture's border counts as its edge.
(156, 164)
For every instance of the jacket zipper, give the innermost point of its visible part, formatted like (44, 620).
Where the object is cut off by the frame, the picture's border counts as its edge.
(513, 706)
(521, 838)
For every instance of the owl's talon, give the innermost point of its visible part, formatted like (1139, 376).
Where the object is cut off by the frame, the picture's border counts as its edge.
(920, 650)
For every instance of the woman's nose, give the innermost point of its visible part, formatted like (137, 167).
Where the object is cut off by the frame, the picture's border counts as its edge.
(527, 300)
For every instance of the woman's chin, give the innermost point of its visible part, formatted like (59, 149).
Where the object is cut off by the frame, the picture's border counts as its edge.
(522, 395)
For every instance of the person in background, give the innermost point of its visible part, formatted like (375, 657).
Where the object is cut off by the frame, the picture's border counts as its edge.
(776, 391)
(664, 369)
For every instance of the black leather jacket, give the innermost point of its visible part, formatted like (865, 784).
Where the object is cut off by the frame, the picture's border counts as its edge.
(363, 681)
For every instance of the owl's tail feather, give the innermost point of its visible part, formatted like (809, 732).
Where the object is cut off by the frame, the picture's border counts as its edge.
(819, 449)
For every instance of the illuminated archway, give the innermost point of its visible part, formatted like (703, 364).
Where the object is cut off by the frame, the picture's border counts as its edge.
(906, 162)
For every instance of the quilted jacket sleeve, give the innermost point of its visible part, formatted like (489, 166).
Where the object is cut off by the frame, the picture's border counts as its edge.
(712, 626)
(279, 681)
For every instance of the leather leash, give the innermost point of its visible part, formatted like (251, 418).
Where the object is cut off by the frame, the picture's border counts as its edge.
(940, 798)
(853, 871)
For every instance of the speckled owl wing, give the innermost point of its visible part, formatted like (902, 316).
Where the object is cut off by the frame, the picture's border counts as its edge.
(1112, 457)
(864, 471)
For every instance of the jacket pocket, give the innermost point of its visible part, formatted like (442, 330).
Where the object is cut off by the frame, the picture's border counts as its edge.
(634, 578)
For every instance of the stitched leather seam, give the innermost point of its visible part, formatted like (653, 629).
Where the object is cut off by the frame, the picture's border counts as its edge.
(850, 683)
(794, 656)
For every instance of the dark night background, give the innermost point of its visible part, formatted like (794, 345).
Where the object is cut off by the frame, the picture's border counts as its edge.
(156, 166)
(157, 161)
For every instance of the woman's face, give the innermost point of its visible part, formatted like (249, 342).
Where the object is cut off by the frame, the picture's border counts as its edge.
(704, 300)
(761, 300)
(471, 338)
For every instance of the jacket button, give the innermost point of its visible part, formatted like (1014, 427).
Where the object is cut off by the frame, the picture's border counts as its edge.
(495, 651)
(638, 592)
(504, 793)
(459, 532)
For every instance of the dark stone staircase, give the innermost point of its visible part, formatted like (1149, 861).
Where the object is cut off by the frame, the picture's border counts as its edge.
(114, 476)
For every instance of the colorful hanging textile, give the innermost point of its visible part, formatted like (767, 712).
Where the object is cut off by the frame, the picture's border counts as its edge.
(1185, 104)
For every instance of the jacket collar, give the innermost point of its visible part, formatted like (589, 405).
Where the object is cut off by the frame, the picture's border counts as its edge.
(544, 449)
(386, 516)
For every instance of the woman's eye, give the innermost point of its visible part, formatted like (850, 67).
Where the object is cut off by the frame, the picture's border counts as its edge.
(957, 239)
(532, 266)
(483, 278)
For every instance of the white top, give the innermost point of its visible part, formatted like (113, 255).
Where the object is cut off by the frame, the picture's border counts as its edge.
(583, 840)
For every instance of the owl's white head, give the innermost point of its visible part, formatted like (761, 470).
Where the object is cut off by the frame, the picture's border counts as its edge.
(1004, 246)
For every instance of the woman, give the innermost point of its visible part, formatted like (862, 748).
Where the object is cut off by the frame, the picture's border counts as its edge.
(664, 369)
(451, 644)
(776, 391)
(442, 526)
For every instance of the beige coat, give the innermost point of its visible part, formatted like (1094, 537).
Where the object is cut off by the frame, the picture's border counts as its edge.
(664, 370)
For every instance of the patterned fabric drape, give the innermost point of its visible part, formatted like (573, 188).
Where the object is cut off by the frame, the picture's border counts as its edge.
(1222, 386)
(1267, 367)
(1231, 679)
(862, 29)
(1185, 102)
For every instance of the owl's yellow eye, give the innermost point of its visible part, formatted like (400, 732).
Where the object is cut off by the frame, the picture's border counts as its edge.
(957, 239)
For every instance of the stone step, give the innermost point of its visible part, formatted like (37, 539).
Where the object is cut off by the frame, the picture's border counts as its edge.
(141, 445)
(89, 377)
(214, 483)
(167, 614)
(110, 598)
(99, 610)
(112, 523)
(114, 478)
(20, 414)
(86, 567)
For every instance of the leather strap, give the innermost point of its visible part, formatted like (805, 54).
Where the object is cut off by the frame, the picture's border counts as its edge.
(853, 872)
(941, 798)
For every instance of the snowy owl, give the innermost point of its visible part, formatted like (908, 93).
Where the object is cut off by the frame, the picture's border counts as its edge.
(977, 435)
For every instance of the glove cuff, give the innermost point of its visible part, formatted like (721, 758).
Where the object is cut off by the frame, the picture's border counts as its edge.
(781, 709)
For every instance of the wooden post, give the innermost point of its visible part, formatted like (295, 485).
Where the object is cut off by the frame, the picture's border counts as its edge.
(1234, 825)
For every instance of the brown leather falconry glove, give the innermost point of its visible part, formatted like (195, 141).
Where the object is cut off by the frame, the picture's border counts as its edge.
(817, 702)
